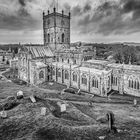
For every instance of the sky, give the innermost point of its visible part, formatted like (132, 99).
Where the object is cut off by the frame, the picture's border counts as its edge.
(96, 21)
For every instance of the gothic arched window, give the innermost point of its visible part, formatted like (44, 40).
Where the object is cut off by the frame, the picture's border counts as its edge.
(66, 75)
(95, 82)
(41, 75)
(59, 73)
(74, 77)
(84, 80)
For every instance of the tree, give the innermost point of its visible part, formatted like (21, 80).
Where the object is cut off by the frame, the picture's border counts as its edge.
(126, 54)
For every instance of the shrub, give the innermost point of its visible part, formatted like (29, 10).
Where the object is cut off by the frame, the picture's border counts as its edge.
(9, 105)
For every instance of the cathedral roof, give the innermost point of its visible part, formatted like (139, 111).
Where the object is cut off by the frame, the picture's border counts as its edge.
(125, 66)
(39, 51)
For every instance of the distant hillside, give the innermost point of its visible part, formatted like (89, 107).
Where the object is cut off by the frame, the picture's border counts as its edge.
(132, 44)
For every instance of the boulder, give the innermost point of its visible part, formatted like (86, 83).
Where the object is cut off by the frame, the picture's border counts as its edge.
(3, 114)
(102, 137)
(20, 94)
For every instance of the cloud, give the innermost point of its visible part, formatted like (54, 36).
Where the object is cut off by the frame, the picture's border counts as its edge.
(22, 2)
(16, 15)
(112, 17)
(98, 17)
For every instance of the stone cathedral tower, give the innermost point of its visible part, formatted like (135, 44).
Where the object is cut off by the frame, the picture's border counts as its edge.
(56, 27)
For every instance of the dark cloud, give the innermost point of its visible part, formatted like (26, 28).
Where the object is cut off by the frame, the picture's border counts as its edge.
(80, 10)
(112, 18)
(22, 2)
(109, 17)
(131, 5)
(87, 7)
(19, 18)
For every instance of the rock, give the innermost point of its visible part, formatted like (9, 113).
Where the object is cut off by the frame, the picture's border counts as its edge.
(62, 106)
(119, 130)
(43, 111)
(50, 83)
(52, 108)
(102, 119)
(3, 114)
(19, 94)
(102, 137)
(32, 98)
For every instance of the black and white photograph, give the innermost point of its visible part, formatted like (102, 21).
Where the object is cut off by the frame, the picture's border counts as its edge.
(69, 69)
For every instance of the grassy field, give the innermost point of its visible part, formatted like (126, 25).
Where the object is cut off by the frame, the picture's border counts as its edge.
(79, 122)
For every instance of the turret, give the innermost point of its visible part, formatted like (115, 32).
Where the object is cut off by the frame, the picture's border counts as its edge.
(69, 15)
(62, 12)
(54, 9)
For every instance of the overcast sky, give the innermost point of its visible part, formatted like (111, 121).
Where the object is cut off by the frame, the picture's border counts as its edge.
(92, 20)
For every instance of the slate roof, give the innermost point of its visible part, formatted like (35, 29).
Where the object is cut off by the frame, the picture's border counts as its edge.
(38, 51)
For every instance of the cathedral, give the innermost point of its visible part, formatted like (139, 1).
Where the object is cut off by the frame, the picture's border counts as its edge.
(57, 61)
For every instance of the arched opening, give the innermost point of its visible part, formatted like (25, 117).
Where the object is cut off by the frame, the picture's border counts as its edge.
(116, 83)
(3, 59)
(59, 73)
(63, 38)
(74, 77)
(132, 86)
(53, 71)
(41, 75)
(129, 83)
(95, 82)
(66, 75)
(48, 38)
(135, 85)
(84, 80)
(138, 85)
